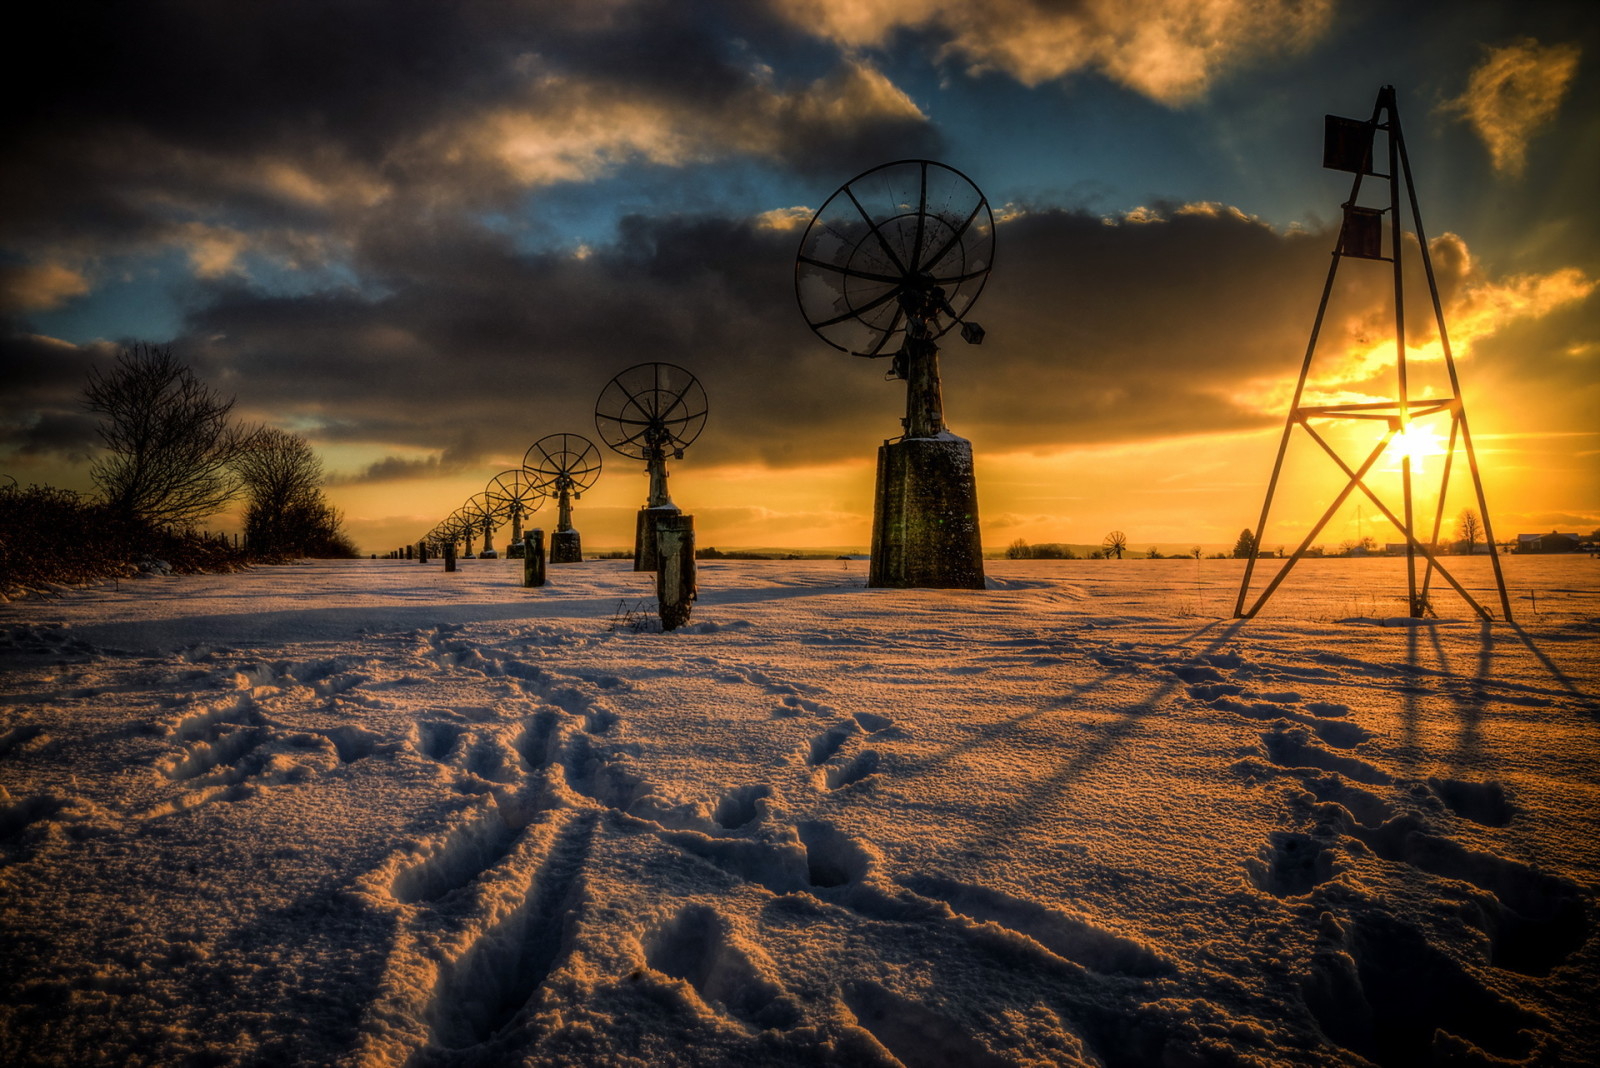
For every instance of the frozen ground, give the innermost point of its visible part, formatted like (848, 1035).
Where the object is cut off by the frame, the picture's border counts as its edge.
(372, 813)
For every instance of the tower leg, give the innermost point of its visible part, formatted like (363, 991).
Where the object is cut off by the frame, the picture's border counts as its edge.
(925, 516)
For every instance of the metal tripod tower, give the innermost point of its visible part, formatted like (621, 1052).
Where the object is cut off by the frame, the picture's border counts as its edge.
(1348, 146)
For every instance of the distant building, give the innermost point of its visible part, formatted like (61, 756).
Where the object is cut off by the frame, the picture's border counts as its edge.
(1552, 542)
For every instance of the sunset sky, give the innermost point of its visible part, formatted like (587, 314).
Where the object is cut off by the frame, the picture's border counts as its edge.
(426, 234)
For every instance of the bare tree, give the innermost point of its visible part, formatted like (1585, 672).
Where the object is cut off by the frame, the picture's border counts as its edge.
(281, 476)
(1018, 550)
(1115, 542)
(1469, 530)
(171, 443)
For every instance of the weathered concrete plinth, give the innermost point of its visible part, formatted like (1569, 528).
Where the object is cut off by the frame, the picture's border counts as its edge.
(645, 556)
(450, 556)
(675, 577)
(925, 516)
(533, 558)
(566, 547)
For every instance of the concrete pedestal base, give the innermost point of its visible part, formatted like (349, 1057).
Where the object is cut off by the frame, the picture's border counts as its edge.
(645, 555)
(566, 547)
(925, 516)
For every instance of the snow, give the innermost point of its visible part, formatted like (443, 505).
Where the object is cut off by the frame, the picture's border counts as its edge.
(369, 812)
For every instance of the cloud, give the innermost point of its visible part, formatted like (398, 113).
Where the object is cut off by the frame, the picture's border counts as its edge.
(302, 117)
(396, 468)
(41, 380)
(1096, 332)
(1512, 94)
(39, 287)
(566, 128)
(1173, 320)
(1170, 50)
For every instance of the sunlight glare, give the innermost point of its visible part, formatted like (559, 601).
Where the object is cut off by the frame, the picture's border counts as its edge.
(1417, 441)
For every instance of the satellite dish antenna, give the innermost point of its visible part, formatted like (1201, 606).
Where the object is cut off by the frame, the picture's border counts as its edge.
(563, 465)
(456, 529)
(891, 262)
(516, 495)
(482, 516)
(644, 413)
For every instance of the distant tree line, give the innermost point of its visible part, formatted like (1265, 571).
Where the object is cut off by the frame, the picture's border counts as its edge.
(173, 458)
(1469, 534)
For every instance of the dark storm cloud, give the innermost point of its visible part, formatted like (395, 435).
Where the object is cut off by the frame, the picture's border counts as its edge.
(517, 346)
(42, 382)
(305, 112)
(1097, 333)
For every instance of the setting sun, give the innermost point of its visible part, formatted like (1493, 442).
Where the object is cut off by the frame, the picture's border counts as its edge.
(1418, 441)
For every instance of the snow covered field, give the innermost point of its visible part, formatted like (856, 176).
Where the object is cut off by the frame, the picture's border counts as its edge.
(368, 812)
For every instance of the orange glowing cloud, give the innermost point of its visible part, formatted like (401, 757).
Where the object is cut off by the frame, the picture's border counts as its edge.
(1512, 94)
(1356, 352)
(571, 130)
(40, 287)
(1169, 50)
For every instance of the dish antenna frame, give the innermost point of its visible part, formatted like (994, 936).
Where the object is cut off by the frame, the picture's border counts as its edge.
(563, 466)
(897, 256)
(646, 412)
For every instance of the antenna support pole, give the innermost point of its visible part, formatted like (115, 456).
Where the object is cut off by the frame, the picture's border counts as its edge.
(918, 364)
(563, 503)
(656, 465)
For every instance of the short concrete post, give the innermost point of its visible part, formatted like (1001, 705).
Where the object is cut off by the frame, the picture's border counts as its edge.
(675, 578)
(449, 556)
(422, 551)
(533, 558)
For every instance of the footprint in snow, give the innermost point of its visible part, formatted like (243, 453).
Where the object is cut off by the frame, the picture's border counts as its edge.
(856, 769)
(699, 947)
(1290, 865)
(795, 705)
(1480, 802)
(436, 740)
(741, 806)
(487, 986)
(455, 858)
(825, 745)
(912, 1033)
(16, 738)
